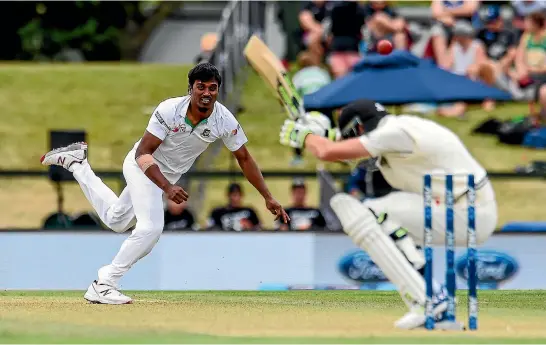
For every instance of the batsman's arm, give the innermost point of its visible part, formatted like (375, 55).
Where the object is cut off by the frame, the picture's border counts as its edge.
(327, 150)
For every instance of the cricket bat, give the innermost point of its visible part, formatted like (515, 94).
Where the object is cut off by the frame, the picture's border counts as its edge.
(272, 71)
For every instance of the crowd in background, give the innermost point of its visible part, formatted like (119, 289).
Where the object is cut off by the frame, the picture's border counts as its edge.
(503, 45)
(234, 215)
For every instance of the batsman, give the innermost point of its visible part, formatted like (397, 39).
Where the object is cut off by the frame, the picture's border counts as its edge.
(390, 228)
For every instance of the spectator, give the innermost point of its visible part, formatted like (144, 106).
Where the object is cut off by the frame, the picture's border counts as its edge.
(208, 44)
(500, 46)
(178, 217)
(366, 181)
(531, 52)
(302, 217)
(345, 35)
(310, 78)
(234, 216)
(312, 31)
(446, 13)
(531, 58)
(466, 56)
(522, 9)
(287, 18)
(384, 23)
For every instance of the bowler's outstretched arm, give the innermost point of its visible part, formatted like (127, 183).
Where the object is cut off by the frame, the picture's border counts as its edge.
(254, 176)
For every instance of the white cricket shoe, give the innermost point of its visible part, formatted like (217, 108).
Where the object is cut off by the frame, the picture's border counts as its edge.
(105, 294)
(66, 156)
(416, 318)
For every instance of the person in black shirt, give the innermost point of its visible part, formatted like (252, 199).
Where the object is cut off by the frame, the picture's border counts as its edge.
(500, 46)
(178, 217)
(312, 18)
(383, 22)
(234, 216)
(500, 43)
(301, 216)
(347, 20)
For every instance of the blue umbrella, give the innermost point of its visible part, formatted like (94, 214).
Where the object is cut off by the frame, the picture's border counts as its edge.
(401, 78)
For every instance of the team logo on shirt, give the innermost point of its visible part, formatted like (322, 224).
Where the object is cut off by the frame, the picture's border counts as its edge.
(234, 132)
(206, 133)
(181, 128)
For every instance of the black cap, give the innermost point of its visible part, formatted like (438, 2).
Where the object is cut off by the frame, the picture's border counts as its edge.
(235, 187)
(363, 112)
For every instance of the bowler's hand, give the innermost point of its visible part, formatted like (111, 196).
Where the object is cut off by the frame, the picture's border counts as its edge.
(176, 193)
(276, 209)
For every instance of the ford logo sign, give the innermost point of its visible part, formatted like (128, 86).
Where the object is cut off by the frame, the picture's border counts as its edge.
(359, 267)
(491, 266)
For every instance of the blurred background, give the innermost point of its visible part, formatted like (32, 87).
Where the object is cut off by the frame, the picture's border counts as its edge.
(95, 70)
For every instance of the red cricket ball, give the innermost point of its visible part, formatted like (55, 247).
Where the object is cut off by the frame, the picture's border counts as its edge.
(384, 47)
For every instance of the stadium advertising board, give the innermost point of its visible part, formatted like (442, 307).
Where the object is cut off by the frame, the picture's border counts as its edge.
(245, 261)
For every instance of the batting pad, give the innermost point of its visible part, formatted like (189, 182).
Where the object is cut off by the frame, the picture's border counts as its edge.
(361, 225)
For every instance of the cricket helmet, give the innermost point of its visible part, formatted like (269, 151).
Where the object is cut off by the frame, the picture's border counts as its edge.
(365, 113)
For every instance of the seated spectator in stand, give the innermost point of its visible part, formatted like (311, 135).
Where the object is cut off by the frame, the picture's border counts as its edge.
(208, 44)
(466, 56)
(310, 78)
(234, 216)
(446, 13)
(383, 22)
(366, 181)
(500, 46)
(345, 35)
(531, 59)
(531, 52)
(302, 217)
(311, 19)
(522, 9)
(178, 217)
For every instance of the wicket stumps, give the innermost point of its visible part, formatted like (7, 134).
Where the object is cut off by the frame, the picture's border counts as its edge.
(450, 251)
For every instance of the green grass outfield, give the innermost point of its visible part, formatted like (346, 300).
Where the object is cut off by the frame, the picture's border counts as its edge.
(113, 103)
(257, 317)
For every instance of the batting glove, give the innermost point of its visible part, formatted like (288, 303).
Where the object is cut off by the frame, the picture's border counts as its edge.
(319, 128)
(293, 134)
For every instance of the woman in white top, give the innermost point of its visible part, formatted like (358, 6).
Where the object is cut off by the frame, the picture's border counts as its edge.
(466, 56)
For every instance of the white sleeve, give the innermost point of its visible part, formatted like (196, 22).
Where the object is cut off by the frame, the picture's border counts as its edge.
(233, 137)
(388, 139)
(162, 120)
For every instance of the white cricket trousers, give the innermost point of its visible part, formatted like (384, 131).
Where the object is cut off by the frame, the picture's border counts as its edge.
(141, 199)
(407, 210)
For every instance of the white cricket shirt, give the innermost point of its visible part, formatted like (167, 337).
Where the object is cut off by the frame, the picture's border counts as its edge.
(409, 147)
(182, 142)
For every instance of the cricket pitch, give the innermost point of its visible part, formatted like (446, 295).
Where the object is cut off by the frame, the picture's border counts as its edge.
(257, 317)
